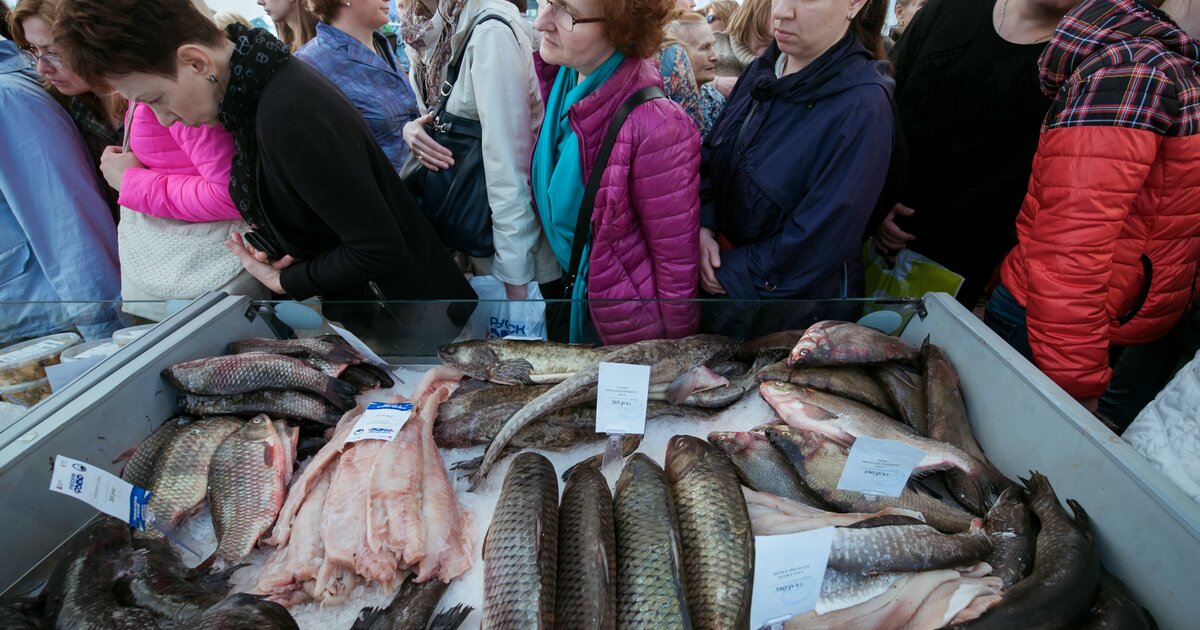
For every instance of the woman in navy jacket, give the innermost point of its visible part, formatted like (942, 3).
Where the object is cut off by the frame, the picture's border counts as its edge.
(795, 165)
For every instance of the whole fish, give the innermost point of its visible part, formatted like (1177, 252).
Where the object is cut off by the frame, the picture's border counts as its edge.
(361, 379)
(161, 583)
(906, 391)
(321, 347)
(1012, 534)
(80, 595)
(586, 580)
(485, 401)
(246, 487)
(411, 608)
(516, 362)
(775, 345)
(762, 468)
(948, 423)
(772, 515)
(843, 343)
(451, 618)
(520, 550)
(139, 470)
(1115, 608)
(819, 461)
(905, 548)
(556, 430)
(650, 585)
(243, 373)
(670, 361)
(180, 480)
(275, 403)
(244, 610)
(1066, 569)
(845, 381)
(722, 396)
(714, 527)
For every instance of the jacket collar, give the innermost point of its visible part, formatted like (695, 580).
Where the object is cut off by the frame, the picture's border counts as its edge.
(847, 64)
(354, 50)
(10, 58)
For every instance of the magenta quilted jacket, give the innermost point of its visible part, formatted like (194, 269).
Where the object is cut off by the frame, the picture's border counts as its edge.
(646, 223)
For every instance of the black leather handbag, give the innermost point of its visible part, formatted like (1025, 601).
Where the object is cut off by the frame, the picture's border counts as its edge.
(455, 199)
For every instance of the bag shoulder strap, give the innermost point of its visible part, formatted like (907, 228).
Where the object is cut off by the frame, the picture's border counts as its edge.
(588, 204)
(452, 71)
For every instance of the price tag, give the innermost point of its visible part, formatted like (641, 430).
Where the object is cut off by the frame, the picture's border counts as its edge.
(788, 572)
(100, 489)
(621, 398)
(879, 467)
(381, 421)
(358, 344)
(64, 374)
(36, 350)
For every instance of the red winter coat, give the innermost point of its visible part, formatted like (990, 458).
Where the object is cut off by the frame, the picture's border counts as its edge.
(1110, 229)
(646, 222)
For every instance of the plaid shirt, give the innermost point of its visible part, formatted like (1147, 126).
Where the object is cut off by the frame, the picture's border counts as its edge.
(87, 119)
(1122, 63)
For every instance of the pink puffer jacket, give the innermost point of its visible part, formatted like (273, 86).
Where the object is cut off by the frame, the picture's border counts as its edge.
(187, 171)
(646, 223)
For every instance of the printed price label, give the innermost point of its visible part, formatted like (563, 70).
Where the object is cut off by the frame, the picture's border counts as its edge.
(24, 354)
(788, 572)
(100, 489)
(621, 398)
(64, 374)
(103, 350)
(880, 467)
(381, 421)
(358, 344)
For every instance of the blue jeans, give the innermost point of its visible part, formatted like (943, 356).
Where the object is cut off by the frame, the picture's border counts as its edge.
(1006, 317)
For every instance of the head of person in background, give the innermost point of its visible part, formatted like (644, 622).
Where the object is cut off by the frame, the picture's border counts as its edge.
(4, 32)
(225, 18)
(32, 24)
(691, 29)
(905, 11)
(718, 14)
(359, 19)
(294, 21)
(685, 5)
(746, 36)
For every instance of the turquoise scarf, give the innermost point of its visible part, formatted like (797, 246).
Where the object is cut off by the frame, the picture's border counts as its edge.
(557, 175)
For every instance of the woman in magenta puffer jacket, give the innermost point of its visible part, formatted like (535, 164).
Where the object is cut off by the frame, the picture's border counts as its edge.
(644, 230)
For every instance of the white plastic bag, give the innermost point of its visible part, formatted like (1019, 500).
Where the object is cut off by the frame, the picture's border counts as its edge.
(497, 316)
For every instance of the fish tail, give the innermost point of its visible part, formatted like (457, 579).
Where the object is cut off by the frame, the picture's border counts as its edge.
(451, 618)
(340, 393)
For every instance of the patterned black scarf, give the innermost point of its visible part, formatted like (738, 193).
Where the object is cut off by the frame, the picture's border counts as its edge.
(256, 56)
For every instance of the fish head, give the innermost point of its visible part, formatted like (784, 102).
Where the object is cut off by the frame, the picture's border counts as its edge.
(639, 465)
(258, 428)
(732, 442)
(684, 454)
(807, 443)
(814, 348)
(473, 358)
(795, 403)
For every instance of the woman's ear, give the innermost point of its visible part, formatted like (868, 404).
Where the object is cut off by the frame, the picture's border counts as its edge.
(196, 59)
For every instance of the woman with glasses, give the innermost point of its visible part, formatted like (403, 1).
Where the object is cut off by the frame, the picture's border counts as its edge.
(718, 13)
(496, 86)
(640, 244)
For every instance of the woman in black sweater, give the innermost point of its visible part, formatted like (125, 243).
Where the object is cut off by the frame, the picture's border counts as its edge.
(330, 217)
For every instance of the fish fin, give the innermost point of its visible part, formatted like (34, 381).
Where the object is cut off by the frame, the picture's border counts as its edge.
(697, 379)
(468, 466)
(269, 457)
(367, 618)
(513, 372)
(126, 454)
(217, 582)
(1081, 518)
(451, 618)
(918, 485)
(817, 412)
(385, 378)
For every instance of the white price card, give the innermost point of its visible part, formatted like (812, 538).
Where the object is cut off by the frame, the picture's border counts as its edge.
(381, 421)
(64, 374)
(358, 344)
(621, 398)
(879, 467)
(788, 572)
(100, 489)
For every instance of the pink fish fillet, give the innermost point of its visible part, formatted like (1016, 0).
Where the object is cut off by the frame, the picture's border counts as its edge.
(439, 376)
(291, 565)
(345, 522)
(395, 520)
(771, 515)
(449, 529)
(892, 610)
(290, 436)
(959, 601)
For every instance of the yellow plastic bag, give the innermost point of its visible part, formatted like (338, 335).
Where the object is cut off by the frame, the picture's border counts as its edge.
(912, 276)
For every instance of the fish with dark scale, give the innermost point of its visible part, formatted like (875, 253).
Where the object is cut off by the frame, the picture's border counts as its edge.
(585, 583)
(277, 403)
(139, 470)
(253, 371)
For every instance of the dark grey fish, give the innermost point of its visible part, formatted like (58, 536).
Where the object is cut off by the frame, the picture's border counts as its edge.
(775, 345)
(451, 618)
(410, 609)
(139, 470)
(80, 594)
(906, 390)
(905, 549)
(163, 584)
(321, 347)
(517, 362)
(1013, 537)
(762, 468)
(843, 343)
(20, 614)
(360, 378)
(1115, 608)
(846, 381)
(244, 610)
(244, 373)
(586, 580)
(288, 404)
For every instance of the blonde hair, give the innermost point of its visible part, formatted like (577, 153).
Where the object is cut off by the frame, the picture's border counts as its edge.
(720, 10)
(751, 22)
(225, 18)
(681, 20)
(306, 21)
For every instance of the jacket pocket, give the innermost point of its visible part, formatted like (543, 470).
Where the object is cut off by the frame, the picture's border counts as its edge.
(1139, 300)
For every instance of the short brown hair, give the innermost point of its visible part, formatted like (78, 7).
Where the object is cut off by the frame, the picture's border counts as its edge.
(721, 10)
(98, 38)
(24, 10)
(635, 27)
(324, 10)
(751, 20)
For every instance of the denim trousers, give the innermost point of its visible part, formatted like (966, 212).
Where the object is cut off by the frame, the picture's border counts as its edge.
(1006, 317)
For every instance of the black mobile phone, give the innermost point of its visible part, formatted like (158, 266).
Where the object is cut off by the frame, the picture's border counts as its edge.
(256, 240)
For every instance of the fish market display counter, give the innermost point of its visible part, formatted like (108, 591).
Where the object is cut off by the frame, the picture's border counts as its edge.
(1147, 530)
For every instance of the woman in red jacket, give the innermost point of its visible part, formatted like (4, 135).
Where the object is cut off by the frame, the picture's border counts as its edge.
(1109, 235)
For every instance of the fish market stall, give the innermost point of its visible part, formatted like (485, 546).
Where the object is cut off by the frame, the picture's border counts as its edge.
(1145, 528)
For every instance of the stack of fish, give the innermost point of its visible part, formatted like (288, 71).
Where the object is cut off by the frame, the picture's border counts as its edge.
(370, 511)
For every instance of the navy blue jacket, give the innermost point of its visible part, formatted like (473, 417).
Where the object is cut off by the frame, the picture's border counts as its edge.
(792, 170)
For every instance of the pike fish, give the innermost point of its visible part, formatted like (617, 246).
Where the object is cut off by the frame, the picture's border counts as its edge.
(845, 381)
(247, 485)
(1012, 534)
(180, 480)
(275, 403)
(819, 461)
(905, 548)
(243, 373)
(906, 391)
(139, 470)
(161, 583)
(586, 580)
(714, 527)
(670, 361)
(650, 585)
(843, 343)
(762, 467)
(411, 608)
(243, 610)
(515, 362)
(1115, 608)
(520, 550)
(80, 591)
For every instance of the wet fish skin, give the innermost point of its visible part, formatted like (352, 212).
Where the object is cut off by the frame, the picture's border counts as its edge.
(844, 343)
(714, 527)
(244, 610)
(161, 583)
(246, 488)
(762, 468)
(819, 462)
(1066, 569)
(906, 391)
(412, 607)
(775, 345)
(86, 600)
(483, 401)
(1115, 608)
(180, 480)
(651, 592)
(844, 380)
(1012, 534)
(243, 373)
(275, 403)
(451, 618)
(520, 548)
(360, 379)
(905, 549)
(139, 470)
(586, 579)
(322, 348)
(516, 362)
(19, 615)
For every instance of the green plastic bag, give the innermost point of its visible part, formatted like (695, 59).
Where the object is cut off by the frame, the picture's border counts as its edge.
(912, 276)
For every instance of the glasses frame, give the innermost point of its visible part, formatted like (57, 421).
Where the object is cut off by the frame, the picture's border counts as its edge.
(557, 9)
(30, 53)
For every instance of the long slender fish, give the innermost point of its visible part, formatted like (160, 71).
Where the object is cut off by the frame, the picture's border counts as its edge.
(518, 362)
(905, 549)
(906, 391)
(1115, 608)
(586, 581)
(278, 403)
(847, 381)
(242, 373)
(1012, 534)
(843, 343)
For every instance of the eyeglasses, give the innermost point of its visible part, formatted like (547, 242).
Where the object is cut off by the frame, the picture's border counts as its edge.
(709, 18)
(561, 16)
(30, 53)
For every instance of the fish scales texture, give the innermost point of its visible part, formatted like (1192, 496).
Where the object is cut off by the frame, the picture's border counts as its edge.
(87, 601)
(275, 403)
(846, 381)
(714, 527)
(843, 343)
(160, 583)
(242, 373)
(180, 480)
(139, 470)
(480, 400)
(906, 391)
(517, 362)
(321, 347)
(651, 592)
(411, 608)
(585, 582)
(557, 430)
(1011, 531)
(520, 550)
(246, 487)
(908, 548)
(912, 601)
(763, 468)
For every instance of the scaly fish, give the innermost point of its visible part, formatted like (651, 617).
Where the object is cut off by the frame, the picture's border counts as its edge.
(1012, 534)
(321, 347)
(451, 618)
(775, 345)
(520, 550)
(714, 527)
(846, 381)
(275, 403)
(243, 373)
(771, 515)
(180, 480)
(246, 486)
(905, 548)
(586, 580)
(161, 583)
(243, 610)
(139, 470)
(1115, 608)
(843, 343)
(412, 607)
(80, 593)
(762, 468)
(515, 362)
(906, 391)
(819, 461)
(651, 592)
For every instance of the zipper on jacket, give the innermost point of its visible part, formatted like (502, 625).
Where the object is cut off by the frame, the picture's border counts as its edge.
(741, 146)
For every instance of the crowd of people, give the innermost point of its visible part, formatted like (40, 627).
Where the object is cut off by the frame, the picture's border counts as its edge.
(630, 154)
